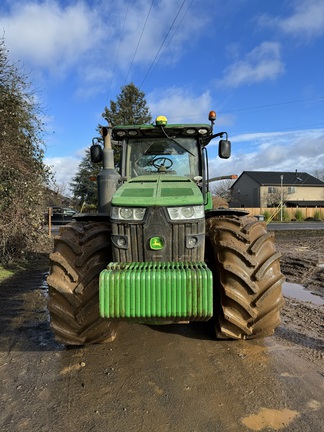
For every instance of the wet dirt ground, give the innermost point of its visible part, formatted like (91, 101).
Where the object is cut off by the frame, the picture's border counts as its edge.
(302, 263)
(172, 378)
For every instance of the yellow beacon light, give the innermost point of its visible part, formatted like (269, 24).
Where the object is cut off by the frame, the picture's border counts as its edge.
(161, 121)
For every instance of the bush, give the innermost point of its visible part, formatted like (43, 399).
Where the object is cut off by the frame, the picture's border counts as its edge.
(318, 215)
(89, 208)
(298, 215)
(266, 215)
(23, 173)
(285, 216)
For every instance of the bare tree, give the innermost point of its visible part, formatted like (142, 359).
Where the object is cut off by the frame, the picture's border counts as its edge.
(222, 189)
(319, 174)
(274, 196)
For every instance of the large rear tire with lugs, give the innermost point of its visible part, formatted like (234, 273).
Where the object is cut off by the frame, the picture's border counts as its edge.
(247, 277)
(81, 251)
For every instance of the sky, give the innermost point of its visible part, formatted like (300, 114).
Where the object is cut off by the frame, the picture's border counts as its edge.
(258, 63)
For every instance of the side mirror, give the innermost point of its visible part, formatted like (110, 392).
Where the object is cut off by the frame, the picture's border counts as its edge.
(96, 153)
(224, 149)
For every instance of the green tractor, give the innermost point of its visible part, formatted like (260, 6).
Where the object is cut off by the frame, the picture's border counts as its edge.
(157, 252)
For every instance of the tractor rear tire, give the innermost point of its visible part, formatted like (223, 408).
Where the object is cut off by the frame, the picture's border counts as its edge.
(81, 251)
(247, 277)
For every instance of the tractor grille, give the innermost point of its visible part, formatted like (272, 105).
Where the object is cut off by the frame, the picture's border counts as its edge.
(176, 238)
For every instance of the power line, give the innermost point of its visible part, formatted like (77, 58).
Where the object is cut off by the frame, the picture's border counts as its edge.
(161, 46)
(139, 41)
(297, 101)
(119, 43)
(258, 107)
(174, 33)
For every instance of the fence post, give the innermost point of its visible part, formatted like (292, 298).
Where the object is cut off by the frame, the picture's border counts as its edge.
(50, 213)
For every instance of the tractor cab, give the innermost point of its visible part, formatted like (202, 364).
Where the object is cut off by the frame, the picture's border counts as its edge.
(162, 149)
(162, 156)
(168, 149)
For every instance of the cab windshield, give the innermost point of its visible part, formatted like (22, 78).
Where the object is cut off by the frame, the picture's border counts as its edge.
(177, 156)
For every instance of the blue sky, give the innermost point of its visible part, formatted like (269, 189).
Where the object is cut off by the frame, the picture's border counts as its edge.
(258, 63)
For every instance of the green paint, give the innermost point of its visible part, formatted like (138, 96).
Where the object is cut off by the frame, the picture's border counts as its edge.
(209, 204)
(158, 190)
(164, 290)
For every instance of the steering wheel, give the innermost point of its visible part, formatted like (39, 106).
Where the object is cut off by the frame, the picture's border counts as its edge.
(160, 162)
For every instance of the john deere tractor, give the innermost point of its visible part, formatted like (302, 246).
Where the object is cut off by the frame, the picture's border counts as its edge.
(157, 252)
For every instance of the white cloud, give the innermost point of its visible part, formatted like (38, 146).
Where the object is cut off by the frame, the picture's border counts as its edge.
(181, 105)
(276, 151)
(261, 64)
(58, 37)
(64, 169)
(48, 35)
(306, 20)
(158, 32)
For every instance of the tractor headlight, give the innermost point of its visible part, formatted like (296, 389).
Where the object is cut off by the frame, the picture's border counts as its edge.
(128, 213)
(187, 212)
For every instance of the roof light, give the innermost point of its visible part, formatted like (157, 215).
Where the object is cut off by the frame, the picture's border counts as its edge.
(161, 121)
(212, 116)
(121, 133)
(203, 131)
(132, 132)
(191, 131)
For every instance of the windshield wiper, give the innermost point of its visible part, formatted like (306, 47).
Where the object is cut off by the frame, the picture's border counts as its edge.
(172, 139)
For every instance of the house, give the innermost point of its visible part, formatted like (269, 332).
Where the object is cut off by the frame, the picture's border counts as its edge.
(269, 189)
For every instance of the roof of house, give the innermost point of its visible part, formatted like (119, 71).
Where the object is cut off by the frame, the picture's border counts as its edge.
(273, 178)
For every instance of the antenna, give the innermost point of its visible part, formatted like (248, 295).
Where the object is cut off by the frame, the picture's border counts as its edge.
(298, 178)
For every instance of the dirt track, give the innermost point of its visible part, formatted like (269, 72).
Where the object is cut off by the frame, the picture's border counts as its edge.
(302, 262)
(166, 378)
(303, 258)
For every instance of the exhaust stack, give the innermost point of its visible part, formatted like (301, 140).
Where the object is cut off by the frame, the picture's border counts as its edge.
(108, 177)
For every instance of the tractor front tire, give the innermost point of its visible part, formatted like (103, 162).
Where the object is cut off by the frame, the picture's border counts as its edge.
(247, 277)
(81, 251)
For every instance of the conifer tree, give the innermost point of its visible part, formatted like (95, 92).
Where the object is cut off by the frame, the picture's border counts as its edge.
(83, 187)
(129, 108)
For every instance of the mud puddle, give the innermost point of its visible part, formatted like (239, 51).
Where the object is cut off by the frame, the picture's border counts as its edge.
(270, 418)
(298, 292)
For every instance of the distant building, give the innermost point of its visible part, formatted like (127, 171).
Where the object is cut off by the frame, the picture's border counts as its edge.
(269, 188)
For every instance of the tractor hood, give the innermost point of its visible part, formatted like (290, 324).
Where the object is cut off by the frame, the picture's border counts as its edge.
(158, 190)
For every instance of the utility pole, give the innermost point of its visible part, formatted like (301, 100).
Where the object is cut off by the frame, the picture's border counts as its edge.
(281, 196)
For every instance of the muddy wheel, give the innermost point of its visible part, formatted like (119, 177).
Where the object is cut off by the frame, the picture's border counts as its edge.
(248, 280)
(81, 251)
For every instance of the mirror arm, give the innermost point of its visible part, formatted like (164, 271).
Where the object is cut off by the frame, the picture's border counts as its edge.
(207, 140)
(96, 140)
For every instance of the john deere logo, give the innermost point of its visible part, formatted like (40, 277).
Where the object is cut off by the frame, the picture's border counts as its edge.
(156, 243)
